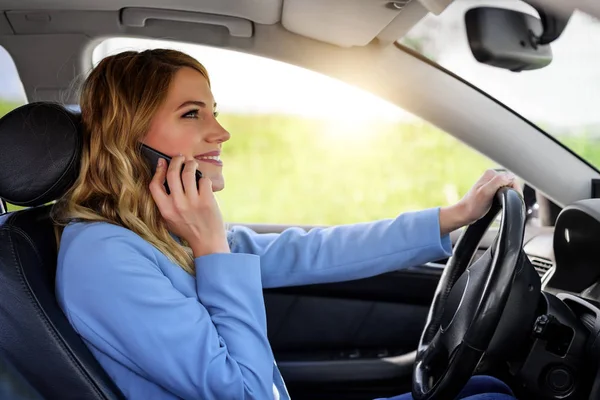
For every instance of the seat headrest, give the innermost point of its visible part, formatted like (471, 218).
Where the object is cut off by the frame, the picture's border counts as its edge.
(40, 149)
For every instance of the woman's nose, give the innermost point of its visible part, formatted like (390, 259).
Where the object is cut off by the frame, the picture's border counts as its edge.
(218, 133)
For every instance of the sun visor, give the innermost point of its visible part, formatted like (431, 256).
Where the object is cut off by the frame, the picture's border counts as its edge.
(345, 23)
(348, 23)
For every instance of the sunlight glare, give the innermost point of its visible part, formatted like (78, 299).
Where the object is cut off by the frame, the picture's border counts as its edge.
(244, 83)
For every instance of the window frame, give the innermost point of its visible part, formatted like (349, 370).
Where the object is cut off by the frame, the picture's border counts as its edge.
(4, 209)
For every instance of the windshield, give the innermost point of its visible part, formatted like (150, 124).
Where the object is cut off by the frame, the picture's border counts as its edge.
(562, 99)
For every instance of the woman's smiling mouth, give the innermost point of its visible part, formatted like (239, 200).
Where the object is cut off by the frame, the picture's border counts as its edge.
(213, 157)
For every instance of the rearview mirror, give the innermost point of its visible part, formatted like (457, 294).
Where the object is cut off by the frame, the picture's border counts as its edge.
(506, 39)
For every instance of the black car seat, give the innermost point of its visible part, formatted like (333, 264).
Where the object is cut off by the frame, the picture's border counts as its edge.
(40, 146)
(13, 385)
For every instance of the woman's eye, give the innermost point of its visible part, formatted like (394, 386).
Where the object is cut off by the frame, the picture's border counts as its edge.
(191, 114)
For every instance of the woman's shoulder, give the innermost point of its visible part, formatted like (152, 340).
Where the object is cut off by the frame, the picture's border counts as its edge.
(101, 239)
(99, 254)
(78, 231)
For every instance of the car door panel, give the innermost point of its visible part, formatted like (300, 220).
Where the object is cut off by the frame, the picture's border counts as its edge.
(317, 329)
(351, 338)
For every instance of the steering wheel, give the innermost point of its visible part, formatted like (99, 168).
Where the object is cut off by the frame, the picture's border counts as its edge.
(469, 302)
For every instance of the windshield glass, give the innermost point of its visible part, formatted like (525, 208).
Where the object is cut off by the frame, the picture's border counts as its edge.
(563, 98)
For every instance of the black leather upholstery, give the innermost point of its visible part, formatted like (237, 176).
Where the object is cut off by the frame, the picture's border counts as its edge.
(35, 336)
(13, 385)
(39, 155)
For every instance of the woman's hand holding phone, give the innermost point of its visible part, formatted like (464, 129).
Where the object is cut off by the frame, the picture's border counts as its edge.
(191, 212)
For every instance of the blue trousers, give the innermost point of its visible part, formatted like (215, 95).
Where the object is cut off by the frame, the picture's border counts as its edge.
(479, 387)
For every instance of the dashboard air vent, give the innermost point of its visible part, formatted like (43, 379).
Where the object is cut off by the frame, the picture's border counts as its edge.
(541, 265)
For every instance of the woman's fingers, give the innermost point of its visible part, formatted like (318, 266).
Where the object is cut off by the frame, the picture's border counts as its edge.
(496, 183)
(499, 181)
(487, 176)
(188, 177)
(174, 176)
(157, 184)
(205, 191)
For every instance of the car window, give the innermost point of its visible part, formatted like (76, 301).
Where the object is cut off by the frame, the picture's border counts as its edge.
(561, 99)
(308, 149)
(12, 93)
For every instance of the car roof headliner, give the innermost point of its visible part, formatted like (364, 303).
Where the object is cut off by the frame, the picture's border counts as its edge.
(341, 22)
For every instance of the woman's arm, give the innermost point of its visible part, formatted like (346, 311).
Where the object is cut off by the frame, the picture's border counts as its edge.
(362, 250)
(346, 252)
(211, 347)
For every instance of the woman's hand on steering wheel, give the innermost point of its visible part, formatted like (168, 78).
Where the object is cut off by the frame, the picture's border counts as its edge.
(477, 202)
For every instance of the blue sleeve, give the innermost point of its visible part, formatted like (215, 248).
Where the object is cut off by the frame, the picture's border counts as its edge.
(211, 347)
(346, 252)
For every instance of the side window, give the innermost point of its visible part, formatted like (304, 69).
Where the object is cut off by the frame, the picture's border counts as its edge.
(12, 93)
(308, 149)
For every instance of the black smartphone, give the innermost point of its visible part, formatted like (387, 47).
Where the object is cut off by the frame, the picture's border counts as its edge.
(152, 155)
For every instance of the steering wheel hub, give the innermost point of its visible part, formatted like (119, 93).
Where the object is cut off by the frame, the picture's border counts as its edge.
(455, 300)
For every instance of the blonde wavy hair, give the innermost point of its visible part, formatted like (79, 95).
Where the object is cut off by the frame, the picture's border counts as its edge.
(118, 100)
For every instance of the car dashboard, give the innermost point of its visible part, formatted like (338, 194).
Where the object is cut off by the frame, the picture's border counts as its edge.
(561, 360)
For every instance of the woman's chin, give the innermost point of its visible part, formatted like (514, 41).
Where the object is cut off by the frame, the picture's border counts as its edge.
(218, 183)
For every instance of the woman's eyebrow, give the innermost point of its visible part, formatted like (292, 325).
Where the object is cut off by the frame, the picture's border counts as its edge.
(192, 103)
(195, 103)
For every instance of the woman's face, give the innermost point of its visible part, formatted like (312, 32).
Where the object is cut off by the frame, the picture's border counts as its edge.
(185, 123)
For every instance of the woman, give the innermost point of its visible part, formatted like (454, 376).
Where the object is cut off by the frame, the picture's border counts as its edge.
(167, 300)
